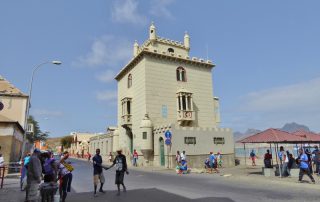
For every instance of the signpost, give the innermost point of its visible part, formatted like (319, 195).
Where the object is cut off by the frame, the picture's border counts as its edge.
(168, 142)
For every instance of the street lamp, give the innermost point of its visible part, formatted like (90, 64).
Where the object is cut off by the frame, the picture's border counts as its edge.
(55, 62)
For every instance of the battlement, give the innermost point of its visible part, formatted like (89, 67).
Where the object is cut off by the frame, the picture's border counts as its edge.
(163, 128)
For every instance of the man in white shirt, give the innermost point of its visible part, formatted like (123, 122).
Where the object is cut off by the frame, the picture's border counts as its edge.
(183, 156)
(285, 161)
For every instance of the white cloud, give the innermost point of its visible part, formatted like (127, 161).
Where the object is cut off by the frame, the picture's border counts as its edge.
(274, 107)
(107, 95)
(159, 8)
(106, 50)
(44, 112)
(297, 97)
(126, 11)
(106, 77)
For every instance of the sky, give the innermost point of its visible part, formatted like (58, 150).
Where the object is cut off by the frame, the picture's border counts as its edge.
(266, 54)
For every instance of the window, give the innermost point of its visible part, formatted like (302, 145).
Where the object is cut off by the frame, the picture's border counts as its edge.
(218, 140)
(190, 140)
(170, 50)
(144, 135)
(184, 100)
(181, 74)
(129, 80)
(126, 106)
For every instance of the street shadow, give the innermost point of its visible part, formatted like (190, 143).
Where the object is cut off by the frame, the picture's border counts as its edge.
(140, 195)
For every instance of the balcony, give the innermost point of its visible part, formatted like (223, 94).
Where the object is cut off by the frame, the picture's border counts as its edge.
(185, 116)
(126, 121)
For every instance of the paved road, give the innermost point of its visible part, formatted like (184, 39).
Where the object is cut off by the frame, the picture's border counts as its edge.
(166, 187)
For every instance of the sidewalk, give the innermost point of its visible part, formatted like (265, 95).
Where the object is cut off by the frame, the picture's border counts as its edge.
(11, 190)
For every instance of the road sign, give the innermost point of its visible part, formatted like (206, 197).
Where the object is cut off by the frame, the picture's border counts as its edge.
(168, 141)
(168, 134)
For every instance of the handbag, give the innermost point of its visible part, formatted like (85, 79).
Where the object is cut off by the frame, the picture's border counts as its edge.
(68, 166)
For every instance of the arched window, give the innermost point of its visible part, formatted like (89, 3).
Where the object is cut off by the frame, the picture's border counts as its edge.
(181, 74)
(170, 50)
(129, 80)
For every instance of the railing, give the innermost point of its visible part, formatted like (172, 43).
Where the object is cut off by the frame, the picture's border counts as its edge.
(126, 119)
(185, 115)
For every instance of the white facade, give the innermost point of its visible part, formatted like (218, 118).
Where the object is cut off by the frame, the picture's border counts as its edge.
(162, 89)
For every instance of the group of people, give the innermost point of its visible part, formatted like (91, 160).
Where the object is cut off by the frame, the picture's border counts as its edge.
(121, 168)
(307, 161)
(42, 166)
(213, 162)
(181, 161)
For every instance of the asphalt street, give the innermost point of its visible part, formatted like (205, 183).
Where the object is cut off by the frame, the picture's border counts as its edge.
(144, 186)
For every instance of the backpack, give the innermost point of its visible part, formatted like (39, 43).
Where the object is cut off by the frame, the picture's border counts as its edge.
(47, 166)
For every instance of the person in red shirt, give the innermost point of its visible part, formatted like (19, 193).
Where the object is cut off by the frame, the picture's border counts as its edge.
(135, 158)
(267, 159)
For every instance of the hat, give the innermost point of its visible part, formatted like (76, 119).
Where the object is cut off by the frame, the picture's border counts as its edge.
(36, 150)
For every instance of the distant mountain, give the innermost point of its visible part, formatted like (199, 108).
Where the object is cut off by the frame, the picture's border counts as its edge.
(292, 127)
(289, 127)
(250, 131)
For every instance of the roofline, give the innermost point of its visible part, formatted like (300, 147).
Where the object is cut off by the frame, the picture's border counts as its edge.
(146, 51)
(14, 95)
(16, 123)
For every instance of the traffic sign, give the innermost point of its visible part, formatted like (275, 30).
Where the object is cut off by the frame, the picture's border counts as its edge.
(168, 141)
(168, 134)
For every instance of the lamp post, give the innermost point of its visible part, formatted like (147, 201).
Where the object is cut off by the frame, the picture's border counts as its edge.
(55, 62)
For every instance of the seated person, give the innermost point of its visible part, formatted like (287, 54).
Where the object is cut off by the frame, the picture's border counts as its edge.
(207, 163)
(184, 167)
(267, 159)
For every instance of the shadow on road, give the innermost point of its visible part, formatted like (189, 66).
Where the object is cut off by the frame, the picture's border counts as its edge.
(140, 195)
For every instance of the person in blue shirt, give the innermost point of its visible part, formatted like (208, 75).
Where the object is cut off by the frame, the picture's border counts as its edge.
(97, 172)
(304, 166)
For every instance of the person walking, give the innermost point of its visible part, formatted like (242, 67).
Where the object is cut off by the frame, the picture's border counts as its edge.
(253, 157)
(89, 156)
(65, 176)
(291, 164)
(219, 160)
(178, 158)
(316, 159)
(304, 166)
(285, 161)
(97, 172)
(135, 158)
(121, 168)
(33, 176)
(110, 157)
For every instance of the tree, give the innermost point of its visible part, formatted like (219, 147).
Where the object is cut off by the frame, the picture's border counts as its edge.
(37, 134)
(66, 141)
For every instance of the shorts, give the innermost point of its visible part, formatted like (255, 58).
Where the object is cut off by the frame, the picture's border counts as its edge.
(119, 177)
(211, 164)
(97, 178)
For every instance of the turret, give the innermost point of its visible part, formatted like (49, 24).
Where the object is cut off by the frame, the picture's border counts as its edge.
(152, 32)
(135, 48)
(186, 40)
(146, 143)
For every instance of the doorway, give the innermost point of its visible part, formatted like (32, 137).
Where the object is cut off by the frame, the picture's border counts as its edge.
(162, 158)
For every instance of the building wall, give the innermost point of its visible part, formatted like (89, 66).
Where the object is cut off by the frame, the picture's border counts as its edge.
(14, 108)
(162, 86)
(10, 142)
(197, 153)
(138, 107)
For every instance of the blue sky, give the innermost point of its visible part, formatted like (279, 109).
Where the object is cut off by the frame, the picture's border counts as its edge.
(266, 52)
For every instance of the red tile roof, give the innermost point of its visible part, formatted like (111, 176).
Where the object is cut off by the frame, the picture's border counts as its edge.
(307, 136)
(278, 136)
(271, 136)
